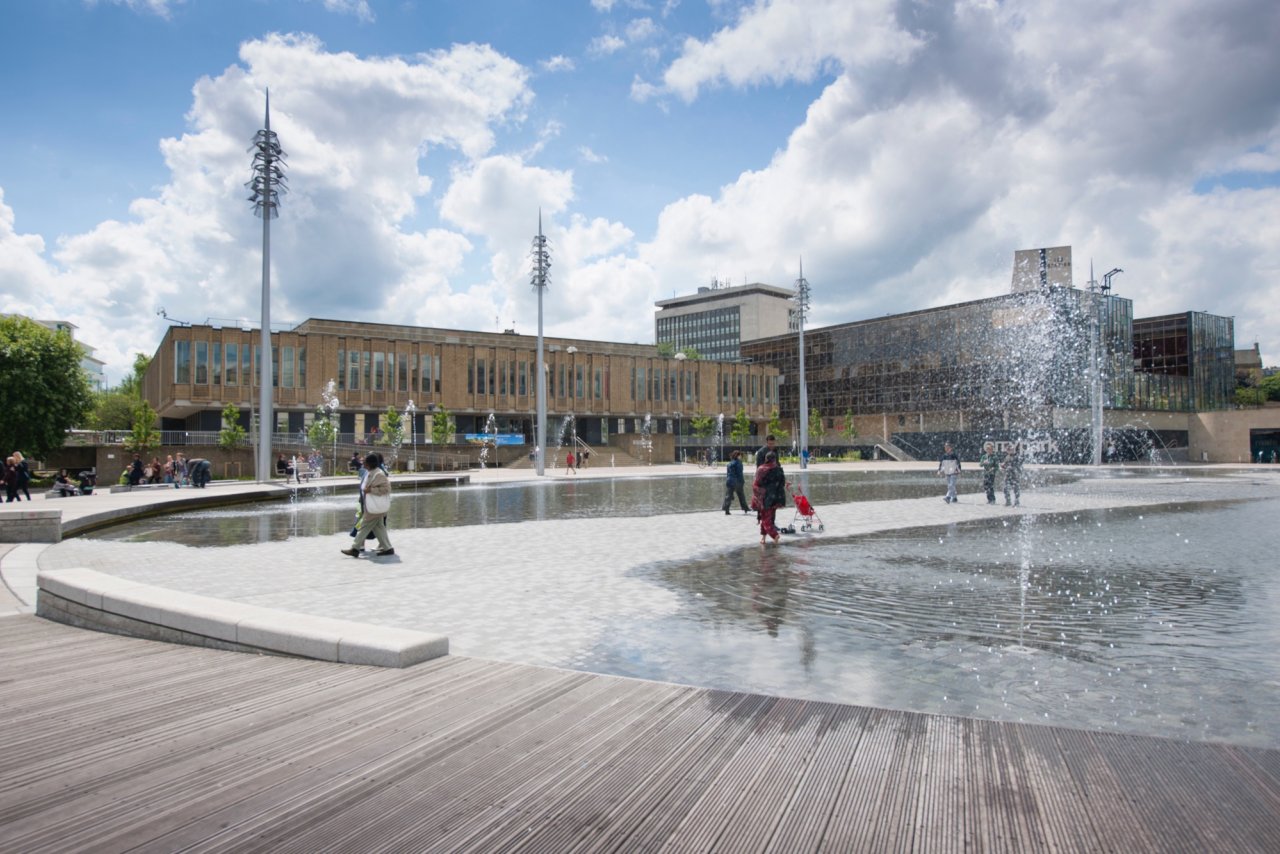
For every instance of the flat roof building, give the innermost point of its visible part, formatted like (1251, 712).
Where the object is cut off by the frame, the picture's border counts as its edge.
(717, 319)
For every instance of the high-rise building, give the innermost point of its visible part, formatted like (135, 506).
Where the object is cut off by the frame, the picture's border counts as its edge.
(717, 319)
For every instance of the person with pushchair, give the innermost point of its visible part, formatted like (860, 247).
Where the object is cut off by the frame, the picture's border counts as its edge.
(768, 493)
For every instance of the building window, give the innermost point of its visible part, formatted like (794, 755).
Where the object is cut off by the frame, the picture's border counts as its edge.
(216, 362)
(182, 361)
(353, 370)
(202, 362)
(302, 367)
(402, 381)
(286, 368)
(379, 368)
(233, 364)
(247, 376)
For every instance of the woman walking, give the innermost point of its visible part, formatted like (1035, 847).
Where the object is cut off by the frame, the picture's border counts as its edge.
(768, 493)
(375, 496)
(24, 473)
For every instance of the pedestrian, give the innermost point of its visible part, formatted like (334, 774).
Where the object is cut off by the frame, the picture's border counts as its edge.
(769, 447)
(168, 468)
(734, 481)
(1012, 466)
(201, 472)
(584, 458)
(990, 463)
(568, 463)
(179, 471)
(375, 495)
(11, 480)
(24, 473)
(949, 467)
(354, 465)
(768, 493)
(135, 470)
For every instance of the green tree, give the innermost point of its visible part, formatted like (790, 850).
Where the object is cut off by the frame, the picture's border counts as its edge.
(850, 430)
(816, 430)
(1271, 385)
(392, 428)
(703, 426)
(112, 410)
(691, 353)
(321, 433)
(232, 434)
(131, 385)
(43, 391)
(775, 428)
(441, 426)
(740, 432)
(666, 350)
(143, 437)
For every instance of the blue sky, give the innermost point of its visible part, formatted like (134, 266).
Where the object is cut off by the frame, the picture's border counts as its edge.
(905, 149)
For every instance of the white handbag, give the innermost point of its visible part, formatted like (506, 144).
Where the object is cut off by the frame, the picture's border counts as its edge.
(375, 503)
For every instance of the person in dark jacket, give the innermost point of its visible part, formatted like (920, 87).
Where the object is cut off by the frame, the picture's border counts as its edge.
(24, 474)
(135, 470)
(1012, 466)
(734, 481)
(768, 493)
(990, 464)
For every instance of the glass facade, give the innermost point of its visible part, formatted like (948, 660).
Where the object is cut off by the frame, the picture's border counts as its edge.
(1183, 362)
(714, 333)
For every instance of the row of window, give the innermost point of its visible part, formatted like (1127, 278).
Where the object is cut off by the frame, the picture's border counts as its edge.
(235, 365)
(374, 370)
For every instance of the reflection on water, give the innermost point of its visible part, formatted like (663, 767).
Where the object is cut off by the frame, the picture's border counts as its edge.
(1159, 621)
(318, 515)
(1121, 619)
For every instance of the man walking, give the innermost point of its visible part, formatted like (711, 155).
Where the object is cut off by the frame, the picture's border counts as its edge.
(734, 481)
(770, 447)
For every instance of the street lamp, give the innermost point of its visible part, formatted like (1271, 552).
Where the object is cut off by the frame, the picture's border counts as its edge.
(541, 277)
(410, 410)
(802, 308)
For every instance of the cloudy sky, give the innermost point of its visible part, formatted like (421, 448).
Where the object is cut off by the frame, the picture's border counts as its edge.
(903, 149)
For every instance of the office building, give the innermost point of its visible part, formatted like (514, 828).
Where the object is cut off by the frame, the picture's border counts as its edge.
(717, 319)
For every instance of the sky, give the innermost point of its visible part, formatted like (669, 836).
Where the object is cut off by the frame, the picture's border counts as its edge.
(902, 151)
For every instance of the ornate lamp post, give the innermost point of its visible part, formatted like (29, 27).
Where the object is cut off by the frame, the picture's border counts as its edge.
(409, 412)
(802, 308)
(541, 277)
(267, 184)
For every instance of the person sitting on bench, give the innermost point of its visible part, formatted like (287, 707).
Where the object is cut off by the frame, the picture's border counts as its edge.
(63, 485)
(88, 480)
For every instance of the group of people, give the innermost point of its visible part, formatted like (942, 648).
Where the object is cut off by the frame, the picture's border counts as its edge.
(375, 504)
(572, 463)
(17, 477)
(175, 470)
(992, 463)
(768, 489)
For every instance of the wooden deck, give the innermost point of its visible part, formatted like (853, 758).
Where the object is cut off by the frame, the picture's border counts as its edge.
(111, 744)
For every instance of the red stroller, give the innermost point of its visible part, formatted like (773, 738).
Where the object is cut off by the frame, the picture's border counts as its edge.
(809, 520)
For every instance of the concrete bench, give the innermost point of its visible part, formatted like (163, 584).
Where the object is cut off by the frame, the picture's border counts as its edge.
(91, 599)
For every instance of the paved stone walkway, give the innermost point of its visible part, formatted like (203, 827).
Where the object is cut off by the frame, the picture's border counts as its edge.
(529, 592)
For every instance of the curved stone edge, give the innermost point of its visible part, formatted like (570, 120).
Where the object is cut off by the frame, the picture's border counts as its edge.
(91, 599)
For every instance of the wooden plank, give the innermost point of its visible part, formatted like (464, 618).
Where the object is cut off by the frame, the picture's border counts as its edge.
(117, 744)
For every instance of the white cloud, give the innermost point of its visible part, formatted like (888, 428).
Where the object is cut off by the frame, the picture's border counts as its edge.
(590, 156)
(162, 8)
(641, 29)
(952, 135)
(359, 8)
(557, 63)
(605, 45)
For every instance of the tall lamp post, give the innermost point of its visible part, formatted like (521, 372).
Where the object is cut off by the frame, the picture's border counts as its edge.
(541, 277)
(802, 308)
(267, 184)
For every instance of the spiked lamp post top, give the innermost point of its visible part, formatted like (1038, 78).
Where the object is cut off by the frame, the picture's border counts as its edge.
(267, 184)
(541, 278)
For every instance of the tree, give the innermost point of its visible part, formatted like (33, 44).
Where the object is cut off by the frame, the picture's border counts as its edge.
(691, 353)
(850, 430)
(393, 428)
(666, 350)
(131, 385)
(43, 390)
(112, 410)
(441, 426)
(816, 430)
(143, 437)
(232, 433)
(775, 428)
(703, 426)
(740, 432)
(321, 433)
(1271, 385)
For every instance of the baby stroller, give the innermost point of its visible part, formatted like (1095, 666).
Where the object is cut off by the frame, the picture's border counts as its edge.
(809, 520)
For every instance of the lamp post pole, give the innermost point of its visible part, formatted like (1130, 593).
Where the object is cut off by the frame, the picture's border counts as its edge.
(541, 277)
(802, 308)
(267, 184)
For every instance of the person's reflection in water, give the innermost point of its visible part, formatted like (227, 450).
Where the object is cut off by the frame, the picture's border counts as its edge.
(771, 590)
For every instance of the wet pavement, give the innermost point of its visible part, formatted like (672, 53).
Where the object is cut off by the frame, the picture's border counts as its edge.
(855, 613)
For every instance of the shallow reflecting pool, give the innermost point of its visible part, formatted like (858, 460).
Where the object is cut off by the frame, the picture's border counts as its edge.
(1164, 620)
